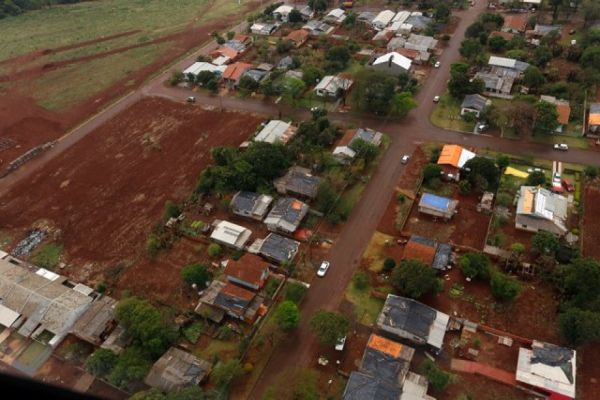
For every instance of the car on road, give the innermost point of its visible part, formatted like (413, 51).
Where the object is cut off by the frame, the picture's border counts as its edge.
(323, 269)
(437, 64)
(568, 185)
(561, 147)
(405, 159)
(191, 99)
(436, 99)
(341, 342)
(481, 127)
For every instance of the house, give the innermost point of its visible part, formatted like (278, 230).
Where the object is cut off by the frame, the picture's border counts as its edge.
(264, 29)
(383, 37)
(255, 74)
(502, 66)
(279, 249)
(285, 63)
(428, 251)
(282, 12)
(198, 67)
(540, 31)
(495, 85)
(404, 318)
(361, 386)
(332, 86)
(366, 17)
(421, 43)
(452, 159)
(548, 369)
(230, 235)
(276, 131)
(317, 28)
(298, 181)
(286, 215)
(386, 359)
(39, 304)
(401, 17)
(418, 21)
(474, 104)
(391, 63)
(563, 109)
(594, 119)
(246, 40)
(343, 152)
(383, 19)
(96, 322)
(227, 54)
(298, 37)
(249, 271)
(539, 209)
(437, 206)
(265, 67)
(250, 204)
(177, 369)
(236, 45)
(307, 13)
(335, 16)
(234, 72)
(515, 23)
(225, 298)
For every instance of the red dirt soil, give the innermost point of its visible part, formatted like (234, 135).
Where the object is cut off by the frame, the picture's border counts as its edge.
(106, 192)
(591, 217)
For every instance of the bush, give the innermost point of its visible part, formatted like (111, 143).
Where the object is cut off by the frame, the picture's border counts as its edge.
(287, 315)
(544, 243)
(412, 278)
(226, 373)
(591, 172)
(504, 287)
(360, 280)
(536, 178)
(437, 377)
(176, 78)
(214, 250)
(193, 331)
(329, 326)
(431, 171)
(132, 365)
(295, 292)
(504, 199)
(474, 265)
(101, 362)
(464, 187)
(389, 264)
(101, 287)
(48, 256)
(195, 274)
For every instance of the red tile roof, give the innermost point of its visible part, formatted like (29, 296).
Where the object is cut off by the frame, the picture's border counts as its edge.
(237, 292)
(249, 268)
(564, 111)
(225, 51)
(409, 53)
(298, 36)
(234, 71)
(517, 22)
(347, 138)
(418, 251)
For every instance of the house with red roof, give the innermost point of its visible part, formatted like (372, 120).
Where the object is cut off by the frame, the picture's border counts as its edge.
(234, 72)
(249, 271)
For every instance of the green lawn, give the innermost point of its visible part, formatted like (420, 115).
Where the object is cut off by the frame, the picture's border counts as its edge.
(366, 307)
(575, 142)
(47, 256)
(446, 114)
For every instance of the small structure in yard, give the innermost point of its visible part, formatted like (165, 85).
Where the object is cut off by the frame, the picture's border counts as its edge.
(563, 109)
(391, 63)
(225, 298)
(404, 318)
(438, 206)
(452, 159)
(198, 67)
(539, 31)
(97, 322)
(250, 204)
(383, 19)
(39, 304)
(249, 271)
(317, 28)
(335, 16)
(539, 209)
(230, 235)
(474, 104)
(276, 131)
(177, 369)
(286, 215)
(263, 28)
(343, 151)
(298, 181)
(486, 202)
(548, 369)
(278, 248)
(429, 251)
(594, 119)
(515, 23)
(298, 37)
(333, 86)
(234, 72)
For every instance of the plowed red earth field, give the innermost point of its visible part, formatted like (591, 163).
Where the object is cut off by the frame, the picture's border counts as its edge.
(107, 191)
(591, 227)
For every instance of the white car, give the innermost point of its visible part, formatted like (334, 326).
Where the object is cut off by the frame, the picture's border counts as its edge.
(191, 99)
(339, 345)
(323, 269)
(561, 147)
(405, 159)
(437, 64)
(436, 99)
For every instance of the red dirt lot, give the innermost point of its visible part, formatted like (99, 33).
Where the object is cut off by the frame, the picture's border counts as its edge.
(591, 217)
(106, 192)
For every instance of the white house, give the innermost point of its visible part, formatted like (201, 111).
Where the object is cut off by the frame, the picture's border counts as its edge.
(392, 63)
(335, 16)
(383, 19)
(198, 67)
(229, 234)
(330, 86)
(282, 12)
(276, 131)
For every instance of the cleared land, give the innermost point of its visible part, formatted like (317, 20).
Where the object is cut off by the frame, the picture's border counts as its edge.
(106, 192)
(591, 217)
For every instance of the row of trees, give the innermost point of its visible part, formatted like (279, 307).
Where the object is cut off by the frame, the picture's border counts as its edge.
(16, 7)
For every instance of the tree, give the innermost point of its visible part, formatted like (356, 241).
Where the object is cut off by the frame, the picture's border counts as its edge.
(504, 287)
(226, 372)
(295, 292)
(287, 315)
(437, 377)
(132, 365)
(591, 172)
(412, 278)
(474, 265)
(590, 11)
(579, 327)
(195, 274)
(533, 77)
(329, 326)
(546, 120)
(214, 250)
(482, 168)
(464, 187)
(431, 171)
(360, 280)
(402, 103)
(150, 394)
(460, 84)
(326, 197)
(283, 46)
(171, 210)
(101, 362)
(176, 78)
(292, 89)
(441, 12)
(536, 178)
(544, 243)
(294, 16)
(497, 43)
(318, 5)
(470, 49)
(204, 77)
(475, 29)
(502, 162)
(337, 58)
(248, 84)
(311, 74)
(374, 91)
(591, 57)
(364, 150)
(389, 264)
(541, 55)
(580, 282)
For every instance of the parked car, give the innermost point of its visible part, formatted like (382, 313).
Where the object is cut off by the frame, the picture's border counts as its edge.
(436, 99)
(568, 185)
(339, 345)
(437, 64)
(191, 99)
(561, 147)
(323, 269)
(405, 159)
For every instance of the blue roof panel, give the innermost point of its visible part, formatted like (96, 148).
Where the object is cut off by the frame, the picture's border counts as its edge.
(434, 201)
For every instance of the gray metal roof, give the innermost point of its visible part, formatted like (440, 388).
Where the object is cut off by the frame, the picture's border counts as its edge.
(279, 248)
(474, 101)
(555, 356)
(177, 369)
(364, 387)
(594, 108)
(235, 44)
(255, 74)
(407, 315)
(368, 135)
(418, 21)
(300, 181)
(287, 214)
(442, 257)
(95, 321)
(543, 30)
(244, 202)
(384, 366)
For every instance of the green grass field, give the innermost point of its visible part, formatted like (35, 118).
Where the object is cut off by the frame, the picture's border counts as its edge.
(446, 114)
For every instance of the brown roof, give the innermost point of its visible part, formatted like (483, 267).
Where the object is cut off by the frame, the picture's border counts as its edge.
(347, 138)
(298, 36)
(234, 71)
(249, 268)
(225, 51)
(564, 111)
(517, 22)
(242, 38)
(506, 35)
(419, 251)
(409, 53)
(239, 292)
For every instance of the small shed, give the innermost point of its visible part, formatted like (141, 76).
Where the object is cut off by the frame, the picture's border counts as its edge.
(438, 206)
(177, 369)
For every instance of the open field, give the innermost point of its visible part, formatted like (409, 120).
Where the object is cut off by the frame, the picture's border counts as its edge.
(108, 190)
(591, 228)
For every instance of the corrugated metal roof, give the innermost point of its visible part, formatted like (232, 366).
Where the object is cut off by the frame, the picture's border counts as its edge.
(431, 200)
(394, 58)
